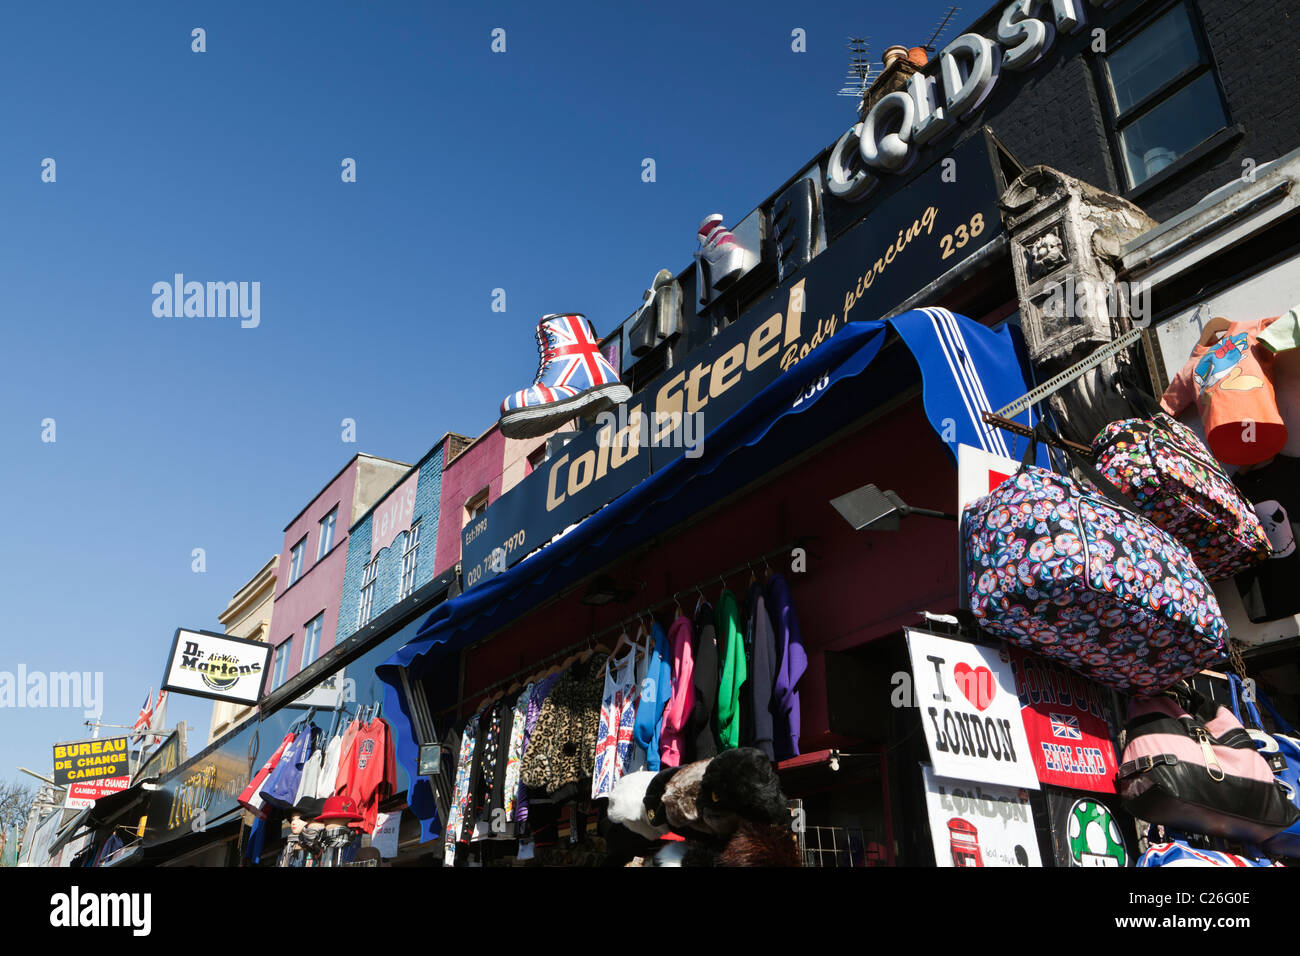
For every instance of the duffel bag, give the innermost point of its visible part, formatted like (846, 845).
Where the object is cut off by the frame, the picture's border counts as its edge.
(1190, 765)
(1075, 577)
(1173, 480)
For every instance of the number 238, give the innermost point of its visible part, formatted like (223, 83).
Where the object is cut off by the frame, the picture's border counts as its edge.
(961, 235)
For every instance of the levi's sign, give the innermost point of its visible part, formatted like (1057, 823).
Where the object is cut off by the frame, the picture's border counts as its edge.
(932, 106)
(908, 240)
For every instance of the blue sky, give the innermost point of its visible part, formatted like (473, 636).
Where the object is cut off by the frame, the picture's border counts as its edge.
(475, 170)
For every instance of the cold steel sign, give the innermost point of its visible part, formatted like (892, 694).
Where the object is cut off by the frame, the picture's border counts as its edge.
(951, 89)
(910, 239)
(217, 666)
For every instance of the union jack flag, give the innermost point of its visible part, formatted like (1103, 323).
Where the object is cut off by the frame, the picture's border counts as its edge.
(613, 744)
(573, 352)
(1064, 725)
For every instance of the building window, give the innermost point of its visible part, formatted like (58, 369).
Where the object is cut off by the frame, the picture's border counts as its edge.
(536, 458)
(327, 533)
(476, 506)
(367, 592)
(409, 559)
(1163, 92)
(280, 669)
(311, 640)
(295, 559)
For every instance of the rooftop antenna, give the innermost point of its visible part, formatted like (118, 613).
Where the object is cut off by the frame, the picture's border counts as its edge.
(861, 70)
(929, 45)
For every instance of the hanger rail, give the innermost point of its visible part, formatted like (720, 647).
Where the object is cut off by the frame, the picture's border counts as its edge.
(590, 640)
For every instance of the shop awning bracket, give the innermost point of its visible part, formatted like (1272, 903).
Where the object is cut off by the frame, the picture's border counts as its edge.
(1062, 379)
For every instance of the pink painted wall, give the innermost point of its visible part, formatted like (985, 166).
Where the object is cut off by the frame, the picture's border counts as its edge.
(320, 587)
(477, 467)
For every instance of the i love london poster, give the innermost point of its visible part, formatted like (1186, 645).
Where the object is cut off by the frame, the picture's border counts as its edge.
(970, 712)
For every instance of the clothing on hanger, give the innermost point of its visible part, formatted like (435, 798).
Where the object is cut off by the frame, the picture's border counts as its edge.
(655, 692)
(281, 786)
(791, 663)
(515, 751)
(494, 768)
(372, 770)
(251, 798)
(618, 704)
(672, 735)
(305, 800)
(732, 670)
(762, 675)
(561, 755)
(1231, 383)
(328, 778)
(536, 700)
(700, 734)
(459, 810)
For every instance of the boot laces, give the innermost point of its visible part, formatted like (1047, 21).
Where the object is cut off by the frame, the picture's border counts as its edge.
(544, 351)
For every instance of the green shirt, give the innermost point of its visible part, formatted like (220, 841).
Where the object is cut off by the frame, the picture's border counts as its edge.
(732, 671)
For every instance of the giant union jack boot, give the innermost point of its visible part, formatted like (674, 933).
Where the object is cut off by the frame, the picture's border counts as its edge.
(573, 378)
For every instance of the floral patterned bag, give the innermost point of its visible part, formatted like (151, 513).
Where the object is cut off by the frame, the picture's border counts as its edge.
(1175, 482)
(1077, 578)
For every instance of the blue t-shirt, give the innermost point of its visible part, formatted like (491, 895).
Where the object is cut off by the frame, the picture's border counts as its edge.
(282, 785)
(655, 692)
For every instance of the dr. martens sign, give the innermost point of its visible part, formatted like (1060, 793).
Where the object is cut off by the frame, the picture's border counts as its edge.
(217, 666)
(913, 237)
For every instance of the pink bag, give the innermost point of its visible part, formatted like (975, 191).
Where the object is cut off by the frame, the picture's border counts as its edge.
(1191, 766)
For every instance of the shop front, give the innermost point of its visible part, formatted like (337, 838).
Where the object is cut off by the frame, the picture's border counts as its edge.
(743, 572)
(205, 811)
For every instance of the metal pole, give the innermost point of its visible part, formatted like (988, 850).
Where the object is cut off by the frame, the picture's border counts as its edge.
(42, 779)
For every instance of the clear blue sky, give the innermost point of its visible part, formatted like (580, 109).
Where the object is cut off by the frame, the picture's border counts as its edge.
(475, 171)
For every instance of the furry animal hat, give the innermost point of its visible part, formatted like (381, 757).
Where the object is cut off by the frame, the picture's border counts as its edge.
(627, 805)
(654, 797)
(681, 799)
(760, 844)
(740, 785)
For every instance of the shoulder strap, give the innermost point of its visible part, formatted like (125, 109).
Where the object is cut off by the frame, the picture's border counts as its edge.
(1142, 402)
(1279, 721)
(1103, 484)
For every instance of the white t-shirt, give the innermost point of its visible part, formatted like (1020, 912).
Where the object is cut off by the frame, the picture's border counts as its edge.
(329, 770)
(310, 777)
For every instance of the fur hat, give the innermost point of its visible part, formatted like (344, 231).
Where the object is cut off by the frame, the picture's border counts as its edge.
(627, 804)
(741, 785)
(680, 799)
(654, 797)
(760, 844)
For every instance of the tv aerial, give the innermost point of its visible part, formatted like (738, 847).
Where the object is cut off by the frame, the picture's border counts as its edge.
(861, 70)
(930, 44)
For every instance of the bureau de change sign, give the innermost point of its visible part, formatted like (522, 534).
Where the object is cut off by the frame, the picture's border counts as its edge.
(90, 760)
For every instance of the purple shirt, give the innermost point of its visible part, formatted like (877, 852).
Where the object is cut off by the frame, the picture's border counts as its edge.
(791, 662)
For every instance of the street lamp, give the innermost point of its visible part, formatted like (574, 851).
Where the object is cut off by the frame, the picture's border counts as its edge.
(870, 509)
